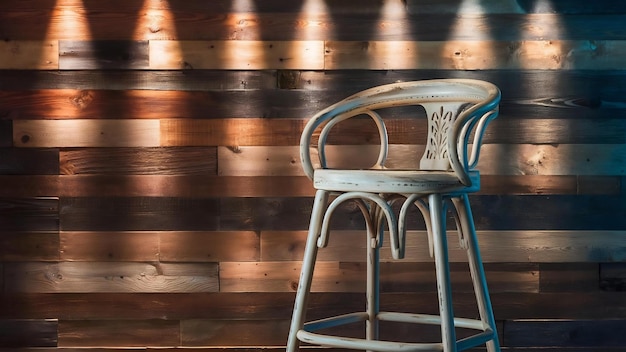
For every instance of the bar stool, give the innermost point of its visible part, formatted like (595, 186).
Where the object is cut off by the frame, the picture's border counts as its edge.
(458, 111)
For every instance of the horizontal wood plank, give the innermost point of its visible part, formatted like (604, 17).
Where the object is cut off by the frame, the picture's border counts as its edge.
(559, 333)
(350, 277)
(91, 277)
(109, 246)
(473, 55)
(119, 333)
(65, 104)
(496, 246)
(495, 159)
(217, 246)
(236, 55)
(29, 246)
(29, 214)
(28, 333)
(86, 133)
(39, 55)
(279, 305)
(198, 186)
(90, 55)
(139, 161)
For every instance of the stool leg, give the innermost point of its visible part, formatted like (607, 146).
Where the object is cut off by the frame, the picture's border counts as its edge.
(308, 265)
(373, 283)
(442, 268)
(476, 269)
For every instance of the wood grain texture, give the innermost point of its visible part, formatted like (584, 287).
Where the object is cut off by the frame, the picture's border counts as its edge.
(109, 246)
(604, 333)
(29, 246)
(28, 333)
(275, 103)
(29, 214)
(37, 55)
(495, 159)
(278, 305)
(350, 277)
(199, 161)
(236, 55)
(90, 55)
(91, 277)
(532, 246)
(86, 133)
(217, 246)
(199, 186)
(41, 161)
(118, 333)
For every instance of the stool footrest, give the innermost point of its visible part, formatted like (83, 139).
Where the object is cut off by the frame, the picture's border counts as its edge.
(307, 335)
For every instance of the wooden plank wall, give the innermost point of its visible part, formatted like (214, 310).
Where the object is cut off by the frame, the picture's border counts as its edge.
(151, 193)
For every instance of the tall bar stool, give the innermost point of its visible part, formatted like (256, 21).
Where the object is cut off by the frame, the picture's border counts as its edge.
(458, 111)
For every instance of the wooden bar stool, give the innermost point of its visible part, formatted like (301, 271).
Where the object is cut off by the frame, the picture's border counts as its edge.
(457, 111)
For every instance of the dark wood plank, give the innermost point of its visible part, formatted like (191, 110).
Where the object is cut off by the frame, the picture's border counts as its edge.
(279, 305)
(28, 333)
(568, 277)
(119, 333)
(29, 246)
(6, 133)
(143, 104)
(613, 276)
(557, 333)
(194, 186)
(29, 214)
(34, 161)
(113, 54)
(139, 161)
(558, 212)
(139, 214)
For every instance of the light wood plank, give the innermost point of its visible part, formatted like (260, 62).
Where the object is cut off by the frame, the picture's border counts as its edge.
(85, 277)
(475, 55)
(496, 159)
(532, 246)
(86, 133)
(236, 55)
(33, 55)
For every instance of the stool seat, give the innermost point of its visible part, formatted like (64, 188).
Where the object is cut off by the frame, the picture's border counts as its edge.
(457, 114)
(393, 181)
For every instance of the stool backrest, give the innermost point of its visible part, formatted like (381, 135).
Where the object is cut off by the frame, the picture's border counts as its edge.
(457, 110)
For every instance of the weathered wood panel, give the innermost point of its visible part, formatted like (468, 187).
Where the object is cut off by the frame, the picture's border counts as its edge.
(91, 277)
(216, 246)
(28, 333)
(138, 161)
(278, 305)
(89, 55)
(41, 55)
(119, 333)
(236, 55)
(198, 186)
(109, 246)
(529, 333)
(139, 214)
(496, 247)
(40, 161)
(350, 277)
(29, 246)
(29, 214)
(496, 159)
(86, 133)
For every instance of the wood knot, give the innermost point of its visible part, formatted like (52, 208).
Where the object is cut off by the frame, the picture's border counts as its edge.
(82, 99)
